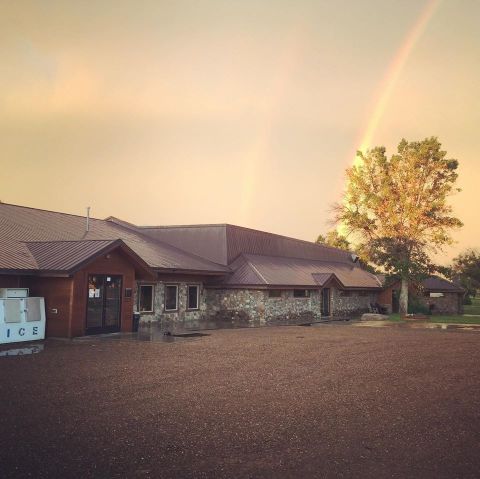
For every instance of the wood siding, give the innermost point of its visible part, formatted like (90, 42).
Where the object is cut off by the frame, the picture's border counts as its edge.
(9, 281)
(114, 263)
(58, 296)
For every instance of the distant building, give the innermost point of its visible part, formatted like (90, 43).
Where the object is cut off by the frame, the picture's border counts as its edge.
(436, 294)
(94, 276)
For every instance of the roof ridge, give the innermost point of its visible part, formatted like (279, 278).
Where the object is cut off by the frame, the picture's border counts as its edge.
(120, 222)
(255, 270)
(70, 241)
(49, 211)
(198, 225)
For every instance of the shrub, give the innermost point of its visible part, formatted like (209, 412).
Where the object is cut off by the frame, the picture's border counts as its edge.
(417, 306)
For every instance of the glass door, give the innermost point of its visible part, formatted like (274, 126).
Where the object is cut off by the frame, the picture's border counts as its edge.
(103, 303)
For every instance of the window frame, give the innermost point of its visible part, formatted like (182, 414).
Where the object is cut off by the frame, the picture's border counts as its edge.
(279, 291)
(146, 285)
(165, 297)
(306, 295)
(193, 285)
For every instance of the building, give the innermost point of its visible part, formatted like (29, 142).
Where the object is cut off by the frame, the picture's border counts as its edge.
(434, 294)
(95, 273)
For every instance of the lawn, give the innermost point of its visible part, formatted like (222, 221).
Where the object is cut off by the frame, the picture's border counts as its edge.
(473, 308)
(456, 319)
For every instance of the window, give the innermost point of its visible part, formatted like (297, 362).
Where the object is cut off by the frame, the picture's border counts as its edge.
(192, 298)
(145, 298)
(301, 293)
(171, 297)
(344, 293)
(436, 295)
(274, 293)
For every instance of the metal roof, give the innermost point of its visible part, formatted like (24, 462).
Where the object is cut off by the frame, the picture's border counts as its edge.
(435, 283)
(32, 239)
(322, 278)
(224, 242)
(65, 255)
(259, 270)
(20, 224)
(15, 255)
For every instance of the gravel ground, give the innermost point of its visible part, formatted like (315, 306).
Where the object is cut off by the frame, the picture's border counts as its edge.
(279, 402)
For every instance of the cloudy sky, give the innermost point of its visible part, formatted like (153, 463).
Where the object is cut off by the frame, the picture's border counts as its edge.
(239, 111)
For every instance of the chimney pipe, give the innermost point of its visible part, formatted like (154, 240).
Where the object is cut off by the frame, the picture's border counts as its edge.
(88, 219)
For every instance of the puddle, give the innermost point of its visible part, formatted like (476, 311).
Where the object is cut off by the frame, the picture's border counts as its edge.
(26, 350)
(418, 325)
(155, 333)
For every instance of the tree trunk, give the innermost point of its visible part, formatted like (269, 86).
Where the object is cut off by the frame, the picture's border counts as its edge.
(403, 306)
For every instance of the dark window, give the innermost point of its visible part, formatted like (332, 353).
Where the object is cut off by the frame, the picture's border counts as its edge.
(145, 298)
(192, 297)
(171, 297)
(301, 293)
(274, 293)
(364, 293)
(344, 293)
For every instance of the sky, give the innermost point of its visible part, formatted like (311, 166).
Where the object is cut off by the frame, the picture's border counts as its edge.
(245, 112)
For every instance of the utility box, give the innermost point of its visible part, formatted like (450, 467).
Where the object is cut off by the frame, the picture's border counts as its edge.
(22, 319)
(13, 292)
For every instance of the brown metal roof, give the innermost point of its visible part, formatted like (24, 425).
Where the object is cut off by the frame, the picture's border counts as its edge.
(20, 224)
(259, 270)
(207, 241)
(65, 255)
(15, 255)
(322, 278)
(223, 243)
(435, 283)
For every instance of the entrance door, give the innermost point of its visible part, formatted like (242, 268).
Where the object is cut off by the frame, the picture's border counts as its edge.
(103, 303)
(326, 302)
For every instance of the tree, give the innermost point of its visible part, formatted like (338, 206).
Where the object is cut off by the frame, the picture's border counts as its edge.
(335, 239)
(397, 208)
(466, 270)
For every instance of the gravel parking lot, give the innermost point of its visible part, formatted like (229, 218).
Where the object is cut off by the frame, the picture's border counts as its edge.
(328, 401)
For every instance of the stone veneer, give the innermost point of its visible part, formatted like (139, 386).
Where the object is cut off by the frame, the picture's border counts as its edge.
(181, 314)
(256, 305)
(450, 303)
(351, 303)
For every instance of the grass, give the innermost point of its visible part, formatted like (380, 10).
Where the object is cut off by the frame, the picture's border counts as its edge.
(456, 319)
(473, 308)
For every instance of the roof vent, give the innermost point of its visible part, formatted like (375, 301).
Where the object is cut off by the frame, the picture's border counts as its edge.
(87, 226)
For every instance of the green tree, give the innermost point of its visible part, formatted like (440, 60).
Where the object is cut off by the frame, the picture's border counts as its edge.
(335, 239)
(465, 269)
(397, 208)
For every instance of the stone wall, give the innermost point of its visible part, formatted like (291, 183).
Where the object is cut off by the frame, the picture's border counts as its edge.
(181, 314)
(256, 305)
(351, 303)
(450, 303)
(253, 306)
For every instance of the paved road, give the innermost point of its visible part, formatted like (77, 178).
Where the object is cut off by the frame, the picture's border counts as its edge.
(329, 401)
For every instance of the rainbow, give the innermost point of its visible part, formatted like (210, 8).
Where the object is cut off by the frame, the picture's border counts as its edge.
(257, 155)
(393, 74)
